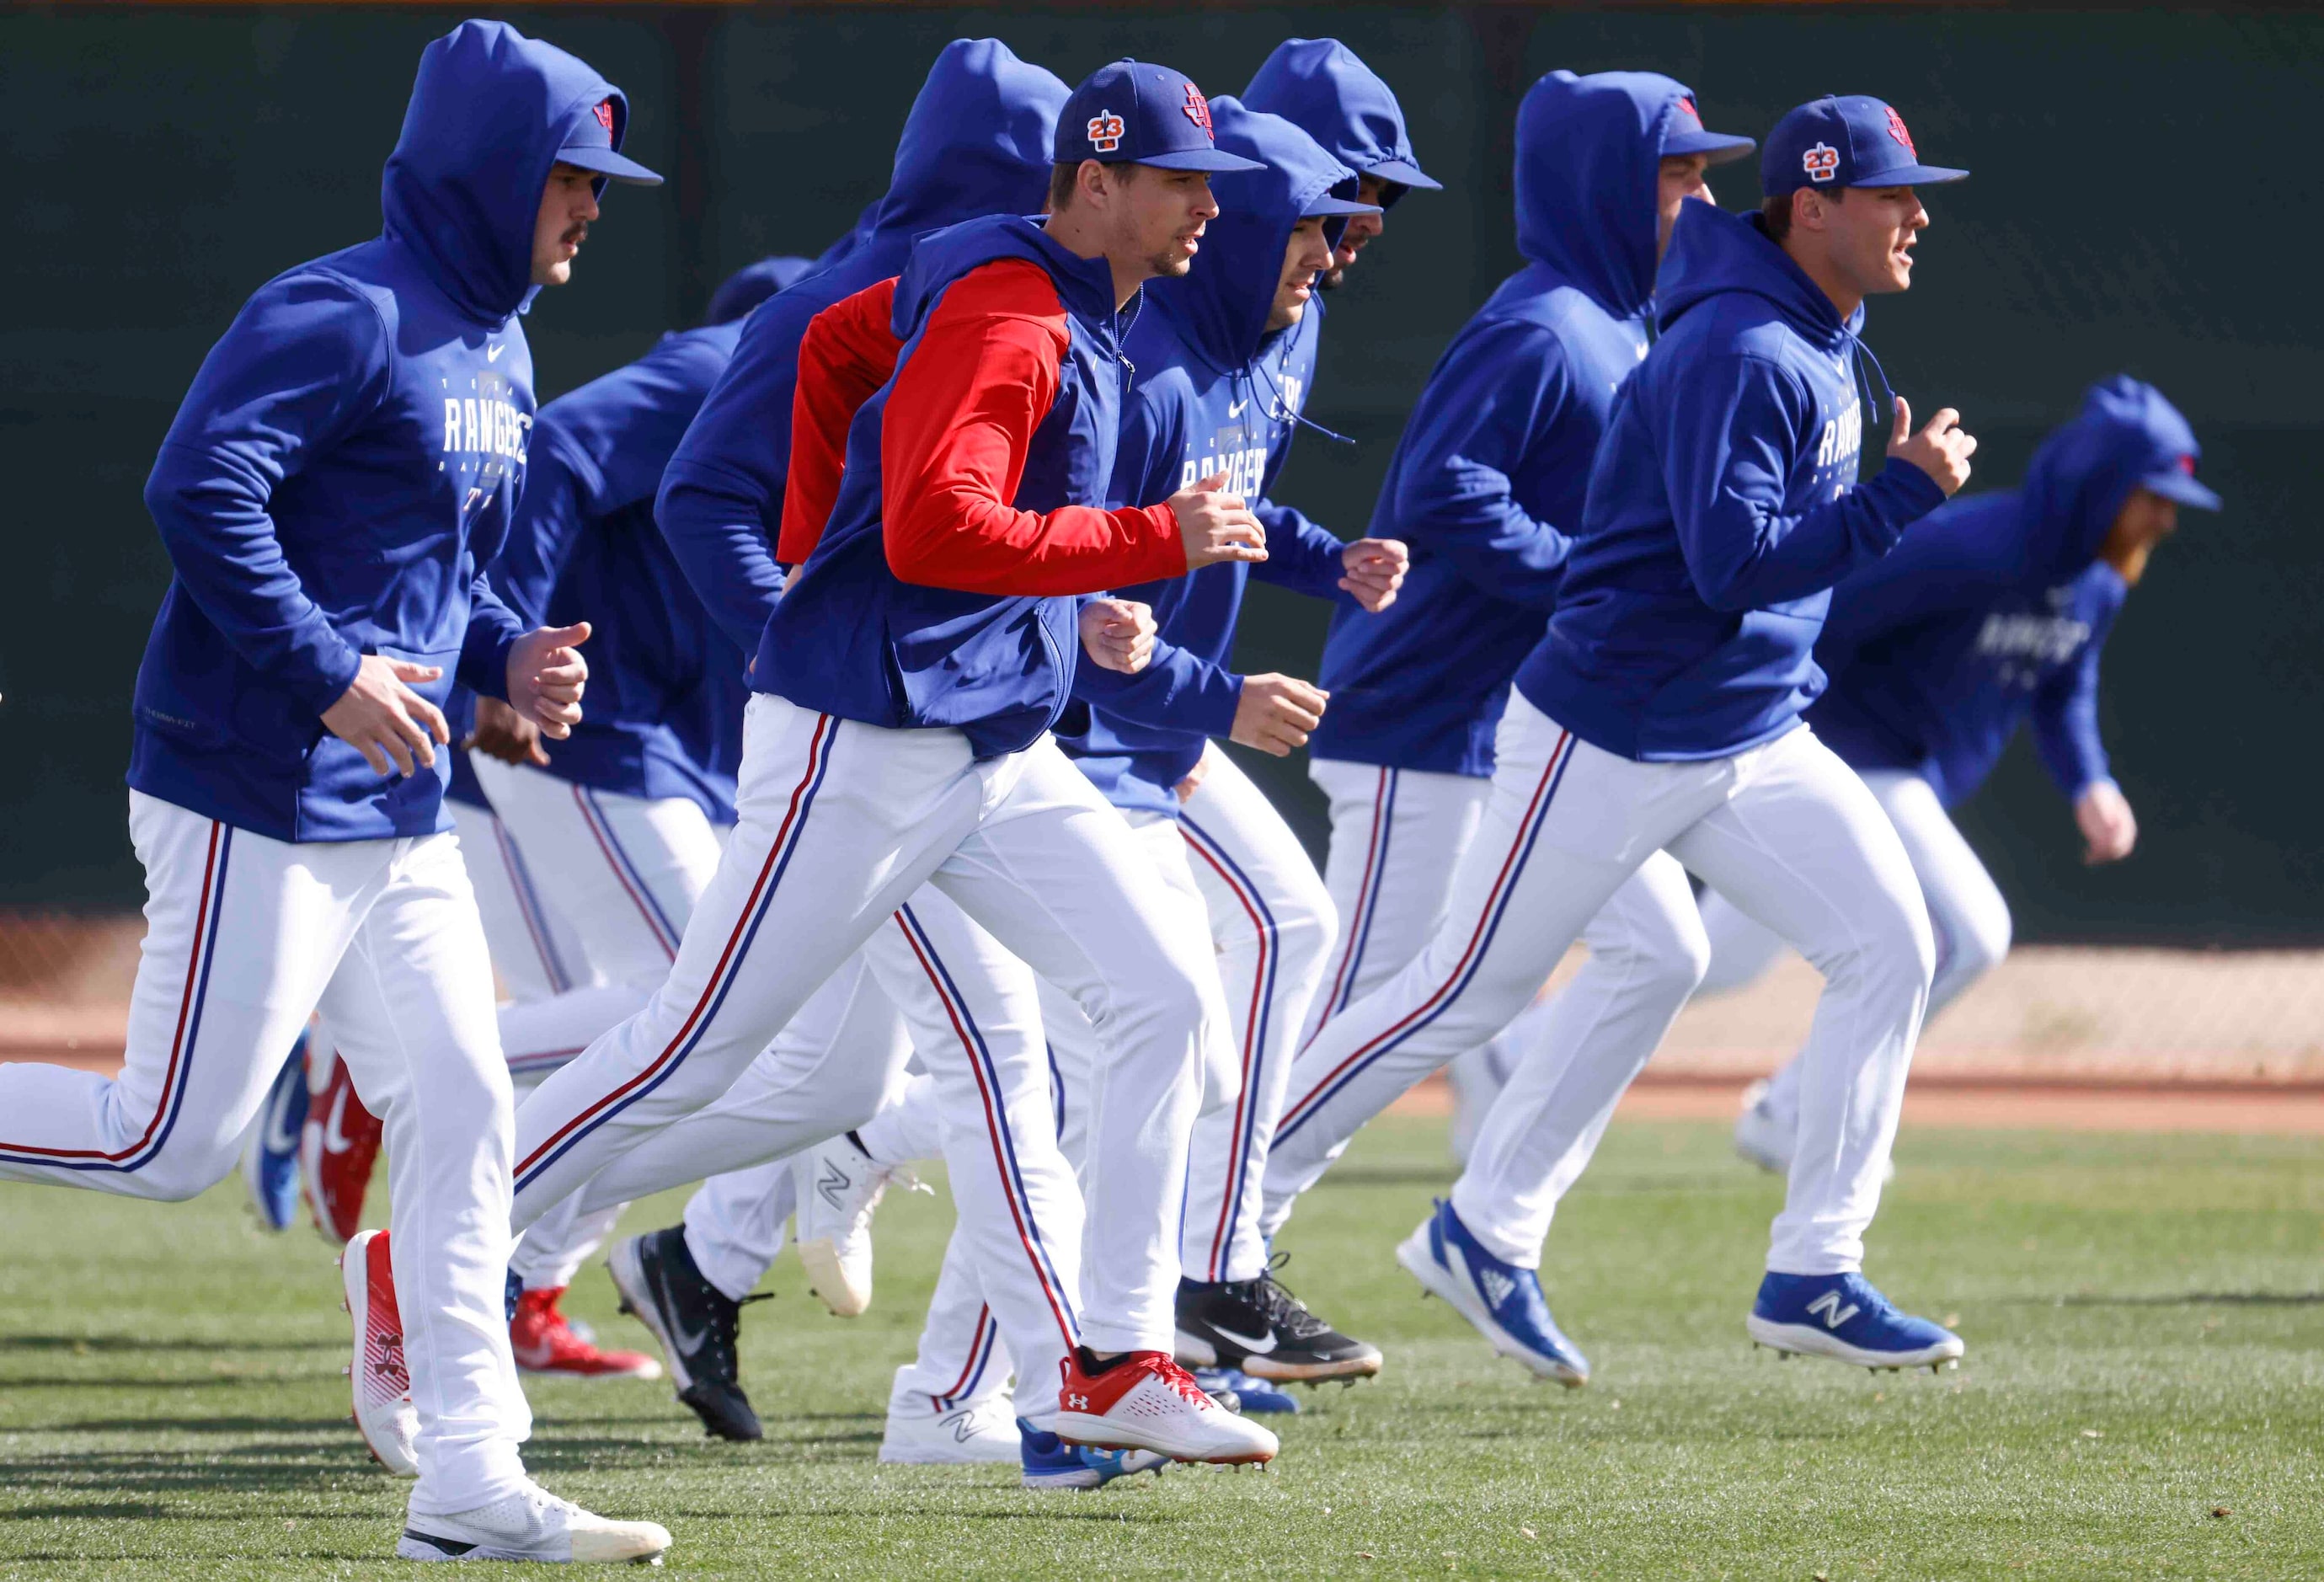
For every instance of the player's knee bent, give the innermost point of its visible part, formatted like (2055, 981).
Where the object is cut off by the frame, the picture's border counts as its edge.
(184, 1168)
(1306, 927)
(1976, 940)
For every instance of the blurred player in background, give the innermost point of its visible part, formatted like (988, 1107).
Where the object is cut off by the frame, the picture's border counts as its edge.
(1321, 87)
(1992, 612)
(348, 459)
(1662, 712)
(1225, 358)
(620, 824)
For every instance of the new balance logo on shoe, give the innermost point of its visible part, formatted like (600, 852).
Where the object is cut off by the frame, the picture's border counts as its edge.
(832, 1187)
(1496, 1286)
(1828, 1308)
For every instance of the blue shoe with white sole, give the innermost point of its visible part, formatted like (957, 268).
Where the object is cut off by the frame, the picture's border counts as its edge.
(1844, 1316)
(270, 1162)
(1052, 1464)
(1502, 1300)
(1248, 1393)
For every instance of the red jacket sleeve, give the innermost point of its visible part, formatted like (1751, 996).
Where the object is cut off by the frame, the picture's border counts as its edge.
(959, 420)
(848, 352)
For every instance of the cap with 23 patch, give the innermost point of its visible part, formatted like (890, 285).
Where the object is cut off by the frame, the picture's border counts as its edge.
(1133, 112)
(1847, 140)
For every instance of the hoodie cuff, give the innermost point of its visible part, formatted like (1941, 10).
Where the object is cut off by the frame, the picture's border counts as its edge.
(1906, 493)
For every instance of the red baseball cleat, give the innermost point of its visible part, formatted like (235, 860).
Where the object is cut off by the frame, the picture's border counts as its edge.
(337, 1147)
(545, 1342)
(1145, 1401)
(382, 1385)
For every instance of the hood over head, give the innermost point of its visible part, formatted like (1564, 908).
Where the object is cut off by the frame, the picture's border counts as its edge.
(1223, 301)
(1713, 252)
(1321, 87)
(1590, 154)
(976, 142)
(490, 109)
(753, 284)
(2126, 436)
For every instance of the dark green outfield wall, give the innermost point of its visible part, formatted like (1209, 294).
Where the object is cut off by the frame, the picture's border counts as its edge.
(2146, 197)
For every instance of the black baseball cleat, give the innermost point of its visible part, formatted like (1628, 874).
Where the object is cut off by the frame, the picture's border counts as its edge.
(1259, 1327)
(696, 1323)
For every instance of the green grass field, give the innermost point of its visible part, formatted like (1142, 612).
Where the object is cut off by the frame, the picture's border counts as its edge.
(2145, 1320)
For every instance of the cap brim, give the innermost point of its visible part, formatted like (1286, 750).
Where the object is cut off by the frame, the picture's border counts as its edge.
(607, 164)
(1719, 146)
(2179, 487)
(1200, 158)
(1405, 173)
(1328, 205)
(1913, 176)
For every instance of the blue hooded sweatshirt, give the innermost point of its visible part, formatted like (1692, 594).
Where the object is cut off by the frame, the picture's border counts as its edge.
(1322, 88)
(977, 142)
(1722, 508)
(851, 638)
(1995, 608)
(347, 460)
(1487, 482)
(1214, 392)
(663, 717)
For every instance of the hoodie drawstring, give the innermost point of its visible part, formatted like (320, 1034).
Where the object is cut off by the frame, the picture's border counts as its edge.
(1280, 411)
(1864, 390)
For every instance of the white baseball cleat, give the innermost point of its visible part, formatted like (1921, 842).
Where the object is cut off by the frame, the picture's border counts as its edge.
(1145, 1401)
(532, 1524)
(383, 1411)
(838, 1186)
(980, 1430)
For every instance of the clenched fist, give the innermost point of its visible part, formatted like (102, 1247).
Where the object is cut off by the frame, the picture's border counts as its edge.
(1375, 569)
(1214, 526)
(1941, 449)
(1118, 634)
(1277, 712)
(545, 674)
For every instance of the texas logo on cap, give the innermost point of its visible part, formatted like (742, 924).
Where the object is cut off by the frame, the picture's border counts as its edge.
(1198, 111)
(1896, 130)
(604, 111)
(1105, 130)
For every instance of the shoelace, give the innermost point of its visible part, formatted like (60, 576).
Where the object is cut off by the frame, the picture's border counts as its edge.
(1161, 1365)
(1274, 1300)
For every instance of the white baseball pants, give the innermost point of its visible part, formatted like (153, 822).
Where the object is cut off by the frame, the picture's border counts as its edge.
(1967, 915)
(1786, 830)
(1272, 926)
(620, 875)
(245, 938)
(841, 823)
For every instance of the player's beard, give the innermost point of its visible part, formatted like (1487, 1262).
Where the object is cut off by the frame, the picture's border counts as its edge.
(1170, 263)
(1332, 279)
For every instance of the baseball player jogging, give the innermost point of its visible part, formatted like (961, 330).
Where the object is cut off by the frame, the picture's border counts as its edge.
(1488, 484)
(1993, 611)
(347, 458)
(913, 669)
(1661, 712)
(1225, 358)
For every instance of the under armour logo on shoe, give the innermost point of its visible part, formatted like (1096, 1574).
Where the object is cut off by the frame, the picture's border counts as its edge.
(1828, 1308)
(834, 1185)
(1076, 1403)
(1498, 1286)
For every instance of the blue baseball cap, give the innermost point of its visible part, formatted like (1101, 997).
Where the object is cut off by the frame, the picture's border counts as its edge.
(2174, 479)
(1133, 112)
(1849, 140)
(591, 144)
(1685, 135)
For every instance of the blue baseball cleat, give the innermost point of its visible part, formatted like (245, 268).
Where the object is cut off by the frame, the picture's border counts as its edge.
(1052, 1464)
(1239, 1391)
(1502, 1300)
(1843, 1316)
(270, 1161)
